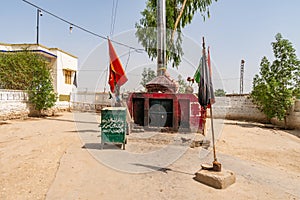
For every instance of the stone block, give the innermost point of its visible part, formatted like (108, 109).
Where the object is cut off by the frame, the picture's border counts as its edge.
(218, 180)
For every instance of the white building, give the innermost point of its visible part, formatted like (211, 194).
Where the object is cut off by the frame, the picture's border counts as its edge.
(64, 65)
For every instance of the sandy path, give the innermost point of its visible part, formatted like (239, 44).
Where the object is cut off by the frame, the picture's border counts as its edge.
(44, 159)
(253, 142)
(30, 153)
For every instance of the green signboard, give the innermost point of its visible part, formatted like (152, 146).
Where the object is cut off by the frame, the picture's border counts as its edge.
(113, 125)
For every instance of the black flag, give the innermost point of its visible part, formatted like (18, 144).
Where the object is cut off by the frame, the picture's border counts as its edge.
(205, 93)
(75, 80)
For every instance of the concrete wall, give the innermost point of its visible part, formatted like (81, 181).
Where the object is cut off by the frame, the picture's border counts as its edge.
(293, 119)
(14, 105)
(240, 107)
(295, 116)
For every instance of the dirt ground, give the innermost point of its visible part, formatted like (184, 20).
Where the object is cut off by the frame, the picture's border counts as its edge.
(59, 158)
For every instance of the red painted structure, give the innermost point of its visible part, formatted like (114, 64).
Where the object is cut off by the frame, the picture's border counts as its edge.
(177, 112)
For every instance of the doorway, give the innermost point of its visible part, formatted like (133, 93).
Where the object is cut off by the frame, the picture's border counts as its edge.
(184, 113)
(138, 111)
(160, 112)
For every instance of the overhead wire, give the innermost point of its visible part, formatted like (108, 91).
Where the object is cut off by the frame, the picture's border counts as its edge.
(127, 59)
(113, 17)
(112, 22)
(138, 50)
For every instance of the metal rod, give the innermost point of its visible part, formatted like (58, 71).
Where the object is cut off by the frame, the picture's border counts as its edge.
(213, 133)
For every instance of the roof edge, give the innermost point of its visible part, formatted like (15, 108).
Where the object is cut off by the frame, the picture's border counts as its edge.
(38, 45)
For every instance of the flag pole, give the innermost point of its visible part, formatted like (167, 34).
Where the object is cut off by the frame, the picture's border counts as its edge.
(216, 165)
(117, 94)
(213, 134)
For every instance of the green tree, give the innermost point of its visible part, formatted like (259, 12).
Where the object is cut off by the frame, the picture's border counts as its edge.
(297, 83)
(147, 75)
(275, 86)
(220, 93)
(146, 28)
(182, 84)
(15, 71)
(28, 71)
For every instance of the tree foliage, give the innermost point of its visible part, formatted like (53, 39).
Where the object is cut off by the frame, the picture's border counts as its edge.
(220, 93)
(147, 32)
(276, 84)
(15, 71)
(147, 75)
(28, 71)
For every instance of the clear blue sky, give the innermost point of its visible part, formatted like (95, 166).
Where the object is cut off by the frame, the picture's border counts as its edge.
(237, 30)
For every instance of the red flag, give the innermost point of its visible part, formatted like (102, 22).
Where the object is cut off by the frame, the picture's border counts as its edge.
(116, 72)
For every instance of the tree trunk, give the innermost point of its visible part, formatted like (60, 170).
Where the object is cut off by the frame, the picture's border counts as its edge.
(285, 124)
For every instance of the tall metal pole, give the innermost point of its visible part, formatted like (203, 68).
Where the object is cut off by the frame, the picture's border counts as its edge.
(242, 77)
(213, 133)
(161, 37)
(38, 14)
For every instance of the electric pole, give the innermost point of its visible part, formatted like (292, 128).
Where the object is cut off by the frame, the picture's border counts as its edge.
(242, 77)
(38, 14)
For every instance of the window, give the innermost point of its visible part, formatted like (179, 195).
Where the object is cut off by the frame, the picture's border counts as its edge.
(68, 76)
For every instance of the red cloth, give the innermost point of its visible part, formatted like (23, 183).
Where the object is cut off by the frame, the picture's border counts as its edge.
(116, 72)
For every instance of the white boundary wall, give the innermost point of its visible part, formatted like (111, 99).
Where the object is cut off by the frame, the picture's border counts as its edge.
(237, 107)
(240, 107)
(13, 105)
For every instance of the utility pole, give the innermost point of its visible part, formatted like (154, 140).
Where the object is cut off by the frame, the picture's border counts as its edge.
(242, 77)
(38, 14)
(161, 37)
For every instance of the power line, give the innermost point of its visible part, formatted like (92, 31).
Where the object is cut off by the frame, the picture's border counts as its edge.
(127, 60)
(82, 28)
(113, 17)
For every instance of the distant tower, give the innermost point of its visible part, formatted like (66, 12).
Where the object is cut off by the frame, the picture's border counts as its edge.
(242, 77)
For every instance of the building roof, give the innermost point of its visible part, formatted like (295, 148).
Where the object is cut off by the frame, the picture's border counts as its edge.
(33, 47)
(162, 84)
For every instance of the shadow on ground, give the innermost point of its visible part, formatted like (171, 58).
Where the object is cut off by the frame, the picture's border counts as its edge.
(84, 131)
(73, 121)
(97, 146)
(161, 169)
